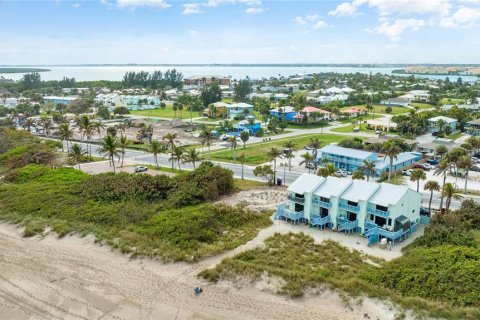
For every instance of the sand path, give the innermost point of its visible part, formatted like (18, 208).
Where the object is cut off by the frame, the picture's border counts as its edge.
(73, 278)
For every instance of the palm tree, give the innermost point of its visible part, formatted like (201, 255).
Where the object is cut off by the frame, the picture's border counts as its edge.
(417, 175)
(466, 163)
(289, 146)
(242, 159)
(273, 154)
(192, 156)
(155, 148)
(442, 169)
(177, 155)
(29, 123)
(109, 146)
(327, 170)
(98, 127)
(171, 139)
(76, 154)
(307, 159)
(207, 136)
(123, 143)
(244, 136)
(65, 133)
(47, 125)
(368, 168)
(431, 186)
(83, 122)
(89, 131)
(391, 151)
(315, 144)
(450, 191)
(233, 144)
(358, 175)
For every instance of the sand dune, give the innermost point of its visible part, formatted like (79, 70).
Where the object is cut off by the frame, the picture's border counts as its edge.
(73, 278)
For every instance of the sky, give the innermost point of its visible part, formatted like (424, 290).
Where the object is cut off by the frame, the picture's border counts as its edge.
(238, 31)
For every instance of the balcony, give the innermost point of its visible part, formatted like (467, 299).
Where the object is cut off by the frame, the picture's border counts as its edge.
(294, 216)
(348, 207)
(317, 221)
(380, 213)
(319, 203)
(295, 199)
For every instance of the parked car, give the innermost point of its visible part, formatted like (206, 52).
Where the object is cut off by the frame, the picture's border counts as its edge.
(423, 166)
(340, 173)
(407, 172)
(475, 160)
(433, 161)
(140, 169)
(475, 168)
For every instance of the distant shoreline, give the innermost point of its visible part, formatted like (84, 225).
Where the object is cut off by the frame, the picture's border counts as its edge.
(22, 70)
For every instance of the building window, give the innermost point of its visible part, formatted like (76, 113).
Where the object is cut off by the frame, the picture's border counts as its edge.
(389, 221)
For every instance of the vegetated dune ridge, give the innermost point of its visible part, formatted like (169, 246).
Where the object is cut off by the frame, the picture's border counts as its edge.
(72, 278)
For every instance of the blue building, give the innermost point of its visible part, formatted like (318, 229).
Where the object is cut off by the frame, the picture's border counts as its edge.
(245, 125)
(59, 100)
(436, 126)
(287, 112)
(239, 110)
(352, 159)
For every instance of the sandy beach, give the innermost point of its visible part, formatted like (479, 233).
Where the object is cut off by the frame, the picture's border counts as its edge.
(73, 278)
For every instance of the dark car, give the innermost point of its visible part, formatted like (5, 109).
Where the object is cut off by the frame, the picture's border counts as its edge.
(433, 161)
(423, 166)
(140, 169)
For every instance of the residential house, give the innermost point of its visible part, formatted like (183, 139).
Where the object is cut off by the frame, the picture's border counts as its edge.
(206, 80)
(312, 114)
(59, 100)
(437, 124)
(286, 112)
(239, 110)
(429, 148)
(216, 110)
(354, 112)
(9, 102)
(473, 127)
(395, 102)
(372, 209)
(249, 124)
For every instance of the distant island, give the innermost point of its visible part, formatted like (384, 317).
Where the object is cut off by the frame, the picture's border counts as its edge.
(441, 70)
(22, 70)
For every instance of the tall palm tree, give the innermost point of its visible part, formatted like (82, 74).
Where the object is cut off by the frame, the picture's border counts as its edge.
(156, 147)
(123, 143)
(289, 146)
(392, 151)
(307, 159)
(442, 169)
(417, 175)
(47, 125)
(109, 146)
(89, 132)
(207, 137)
(191, 156)
(76, 154)
(98, 127)
(65, 133)
(431, 186)
(315, 144)
(368, 168)
(450, 191)
(466, 163)
(82, 123)
(177, 155)
(171, 140)
(273, 154)
(242, 158)
(327, 170)
(233, 145)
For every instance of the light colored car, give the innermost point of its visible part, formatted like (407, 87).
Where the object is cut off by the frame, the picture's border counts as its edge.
(140, 169)
(407, 172)
(340, 173)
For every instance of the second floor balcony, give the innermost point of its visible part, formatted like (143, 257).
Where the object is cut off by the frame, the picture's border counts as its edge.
(349, 207)
(377, 212)
(320, 203)
(296, 198)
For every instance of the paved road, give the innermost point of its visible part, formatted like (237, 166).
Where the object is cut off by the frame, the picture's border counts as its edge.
(140, 157)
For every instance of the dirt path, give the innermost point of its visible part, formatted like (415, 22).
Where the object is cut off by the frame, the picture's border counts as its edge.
(72, 278)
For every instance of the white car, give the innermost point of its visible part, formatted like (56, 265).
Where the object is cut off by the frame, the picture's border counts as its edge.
(407, 172)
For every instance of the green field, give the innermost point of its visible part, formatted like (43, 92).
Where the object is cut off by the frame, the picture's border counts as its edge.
(257, 153)
(166, 113)
(349, 129)
(451, 101)
(423, 105)
(381, 109)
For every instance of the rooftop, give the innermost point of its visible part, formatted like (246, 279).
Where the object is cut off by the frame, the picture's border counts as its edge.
(346, 152)
(332, 187)
(307, 182)
(446, 119)
(388, 194)
(360, 190)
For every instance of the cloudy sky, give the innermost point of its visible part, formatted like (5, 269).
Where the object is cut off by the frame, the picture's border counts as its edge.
(239, 31)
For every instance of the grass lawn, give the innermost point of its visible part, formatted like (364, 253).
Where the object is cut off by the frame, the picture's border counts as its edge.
(423, 105)
(257, 153)
(455, 136)
(307, 126)
(349, 129)
(247, 184)
(451, 101)
(165, 113)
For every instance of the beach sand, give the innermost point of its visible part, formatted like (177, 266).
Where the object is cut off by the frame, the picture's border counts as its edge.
(73, 278)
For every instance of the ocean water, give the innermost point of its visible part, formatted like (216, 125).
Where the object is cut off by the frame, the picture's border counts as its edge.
(115, 73)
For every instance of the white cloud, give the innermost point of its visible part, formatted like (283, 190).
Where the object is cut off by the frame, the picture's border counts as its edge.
(306, 19)
(191, 8)
(142, 3)
(215, 3)
(320, 24)
(254, 10)
(399, 26)
(388, 7)
(463, 17)
(344, 9)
